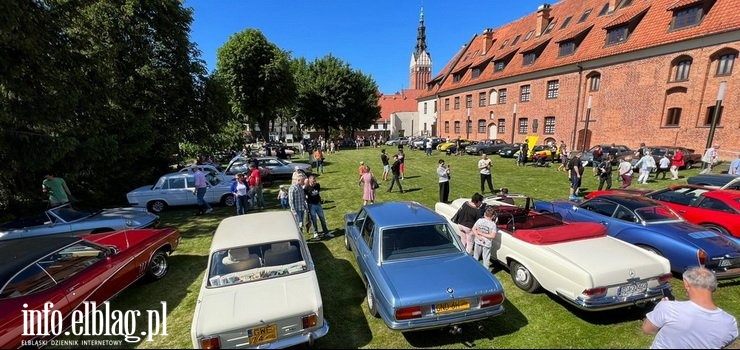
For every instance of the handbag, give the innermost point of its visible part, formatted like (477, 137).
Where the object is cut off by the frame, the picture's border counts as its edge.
(374, 183)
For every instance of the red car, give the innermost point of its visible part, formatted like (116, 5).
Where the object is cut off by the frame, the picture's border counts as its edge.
(715, 209)
(69, 271)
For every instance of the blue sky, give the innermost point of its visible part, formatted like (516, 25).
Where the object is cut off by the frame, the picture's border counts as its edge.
(375, 37)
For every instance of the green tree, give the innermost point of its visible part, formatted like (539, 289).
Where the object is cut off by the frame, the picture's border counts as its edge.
(258, 76)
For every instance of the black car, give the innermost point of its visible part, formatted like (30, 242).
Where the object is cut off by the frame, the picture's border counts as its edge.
(621, 151)
(509, 150)
(487, 146)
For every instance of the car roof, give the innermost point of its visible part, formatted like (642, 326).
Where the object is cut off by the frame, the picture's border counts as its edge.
(16, 254)
(629, 201)
(402, 213)
(254, 228)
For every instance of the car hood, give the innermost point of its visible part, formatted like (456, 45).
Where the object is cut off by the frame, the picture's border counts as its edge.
(610, 261)
(427, 280)
(245, 305)
(138, 216)
(715, 244)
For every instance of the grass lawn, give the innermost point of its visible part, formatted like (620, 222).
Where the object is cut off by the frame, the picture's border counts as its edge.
(530, 320)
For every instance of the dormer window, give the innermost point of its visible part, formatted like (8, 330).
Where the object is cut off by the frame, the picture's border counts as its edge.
(567, 48)
(620, 28)
(529, 58)
(565, 23)
(570, 42)
(686, 17)
(456, 77)
(616, 35)
(475, 72)
(499, 66)
(604, 9)
(530, 55)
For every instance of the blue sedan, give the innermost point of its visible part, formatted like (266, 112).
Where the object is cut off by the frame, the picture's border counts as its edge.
(416, 271)
(655, 227)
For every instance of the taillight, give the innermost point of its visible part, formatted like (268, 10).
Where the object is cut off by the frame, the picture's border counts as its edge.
(665, 278)
(595, 291)
(408, 313)
(701, 255)
(310, 321)
(491, 300)
(210, 343)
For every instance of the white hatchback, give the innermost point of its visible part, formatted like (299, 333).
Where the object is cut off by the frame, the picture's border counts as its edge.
(260, 288)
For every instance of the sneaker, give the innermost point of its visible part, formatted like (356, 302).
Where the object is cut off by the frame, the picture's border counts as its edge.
(209, 210)
(329, 234)
(316, 237)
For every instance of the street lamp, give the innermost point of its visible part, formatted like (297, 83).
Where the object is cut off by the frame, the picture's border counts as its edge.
(715, 115)
(588, 119)
(467, 126)
(513, 123)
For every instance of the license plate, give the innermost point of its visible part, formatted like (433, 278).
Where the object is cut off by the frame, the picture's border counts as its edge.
(450, 306)
(727, 262)
(263, 334)
(632, 289)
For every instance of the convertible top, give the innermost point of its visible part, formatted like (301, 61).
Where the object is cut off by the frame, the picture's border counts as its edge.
(16, 254)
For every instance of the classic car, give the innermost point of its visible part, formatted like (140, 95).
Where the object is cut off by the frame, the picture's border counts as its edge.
(211, 171)
(176, 189)
(452, 143)
(69, 271)
(587, 157)
(717, 210)
(66, 219)
(651, 225)
(721, 181)
(260, 288)
(421, 144)
(539, 150)
(396, 141)
(486, 146)
(509, 150)
(690, 157)
(279, 168)
(576, 261)
(416, 272)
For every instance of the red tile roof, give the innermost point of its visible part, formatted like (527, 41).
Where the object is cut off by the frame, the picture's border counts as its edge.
(682, 3)
(652, 31)
(404, 101)
(574, 33)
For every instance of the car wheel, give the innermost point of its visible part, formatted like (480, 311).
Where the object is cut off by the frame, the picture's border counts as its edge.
(689, 165)
(650, 249)
(523, 278)
(228, 200)
(158, 266)
(371, 302)
(717, 228)
(346, 242)
(157, 206)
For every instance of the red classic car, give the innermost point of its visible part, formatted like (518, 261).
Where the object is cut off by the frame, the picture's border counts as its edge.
(70, 273)
(715, 209)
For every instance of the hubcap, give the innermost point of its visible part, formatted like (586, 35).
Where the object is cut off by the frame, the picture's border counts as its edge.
(158, 206)
(159, 265)
(522, 276)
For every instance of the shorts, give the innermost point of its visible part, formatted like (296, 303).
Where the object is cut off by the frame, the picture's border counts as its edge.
(575, 182)
(386, 168)
(401, 167)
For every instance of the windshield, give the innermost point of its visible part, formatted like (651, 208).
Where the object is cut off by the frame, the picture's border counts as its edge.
(419, 241)
(255, 262)
(656, 214)
(67, 213)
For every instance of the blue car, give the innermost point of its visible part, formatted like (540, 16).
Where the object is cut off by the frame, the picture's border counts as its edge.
(416, 271)
(651, 225)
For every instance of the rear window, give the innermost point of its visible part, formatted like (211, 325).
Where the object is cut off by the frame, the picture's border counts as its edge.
(656, 214)
(256, 262)
(419, 241)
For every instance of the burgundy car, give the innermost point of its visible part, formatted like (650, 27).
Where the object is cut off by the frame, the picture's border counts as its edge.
(715, 209)
(68, 271)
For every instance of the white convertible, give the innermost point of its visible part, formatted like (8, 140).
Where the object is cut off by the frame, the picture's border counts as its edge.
(575, 261)
(260, 289)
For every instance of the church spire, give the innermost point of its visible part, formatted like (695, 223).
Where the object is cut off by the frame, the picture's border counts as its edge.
(421, 37)
(421, 63)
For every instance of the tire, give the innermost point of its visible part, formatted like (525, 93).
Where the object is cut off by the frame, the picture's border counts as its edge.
(717, 228)
(228, 200)
(157, 206)
(158, 266)
(689, 165)
(371, 305)
(523, 278)
(651, 249)
(346, 242)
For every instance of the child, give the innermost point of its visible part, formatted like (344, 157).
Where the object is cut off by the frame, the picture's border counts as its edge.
(283, 196)
(664, 166)
(485, 231)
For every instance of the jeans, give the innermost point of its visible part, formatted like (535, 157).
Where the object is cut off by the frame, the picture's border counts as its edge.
(607, 180)
(299, 218)
(320, 166)
(242, 204)
(315, 210)
(486, 178)
(396, 178)
(259, 199)
(444, 191)
(201, 195)
(429, 151)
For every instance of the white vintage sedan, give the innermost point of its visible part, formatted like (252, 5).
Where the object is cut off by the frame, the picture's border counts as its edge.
(176, 189)
(576, 261)
(260, 288)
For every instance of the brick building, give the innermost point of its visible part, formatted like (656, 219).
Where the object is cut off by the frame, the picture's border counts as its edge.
(597, 71)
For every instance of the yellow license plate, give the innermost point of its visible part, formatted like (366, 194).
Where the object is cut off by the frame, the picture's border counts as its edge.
(259, 335)
(451, 306)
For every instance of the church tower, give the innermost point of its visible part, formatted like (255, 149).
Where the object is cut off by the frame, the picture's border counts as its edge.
(421, 63)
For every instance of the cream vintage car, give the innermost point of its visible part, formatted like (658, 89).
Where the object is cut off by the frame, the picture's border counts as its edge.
(260, 288)
(576, 261)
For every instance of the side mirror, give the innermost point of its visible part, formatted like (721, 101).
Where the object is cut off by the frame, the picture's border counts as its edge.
(112, 251)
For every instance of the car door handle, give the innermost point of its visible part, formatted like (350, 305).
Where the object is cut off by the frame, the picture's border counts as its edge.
(73, 287)
(605, 223)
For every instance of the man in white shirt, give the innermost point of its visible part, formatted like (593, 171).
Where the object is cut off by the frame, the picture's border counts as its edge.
(693, 324)
(709, 159)
(484, 165)
(201, 186)
(625, 172)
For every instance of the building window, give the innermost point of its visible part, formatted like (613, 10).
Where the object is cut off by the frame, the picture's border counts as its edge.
(482, 99)
(529, 35)
(482, 126)
(447, 104)
(674, 117)
(504, 44)
(385, 126)
(468, 101)
(501, 126)
(549, 27)
(499, 66)
(456, 77)
(525, 92)
(493, 96)
(523, 125)
(686, 17)
(457, 102)
(565, 23)
(567, 48)
(475, 72)
(710, 115)
(549, 126)
(457, 127)
(682, 69)
(435, 106)
(469, 126)
(552, 88)
(516, 40)
(425, 108)
(604, 9)
(584, 16)
(624, 4)
(529, 58)
(616, 35)
(594, 82)
(501, 96)
(447, 127)
(724, 64)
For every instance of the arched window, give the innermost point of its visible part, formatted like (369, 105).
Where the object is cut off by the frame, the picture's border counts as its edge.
(492, 96)
(594, 81)
(724, 60)
(680, 68)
